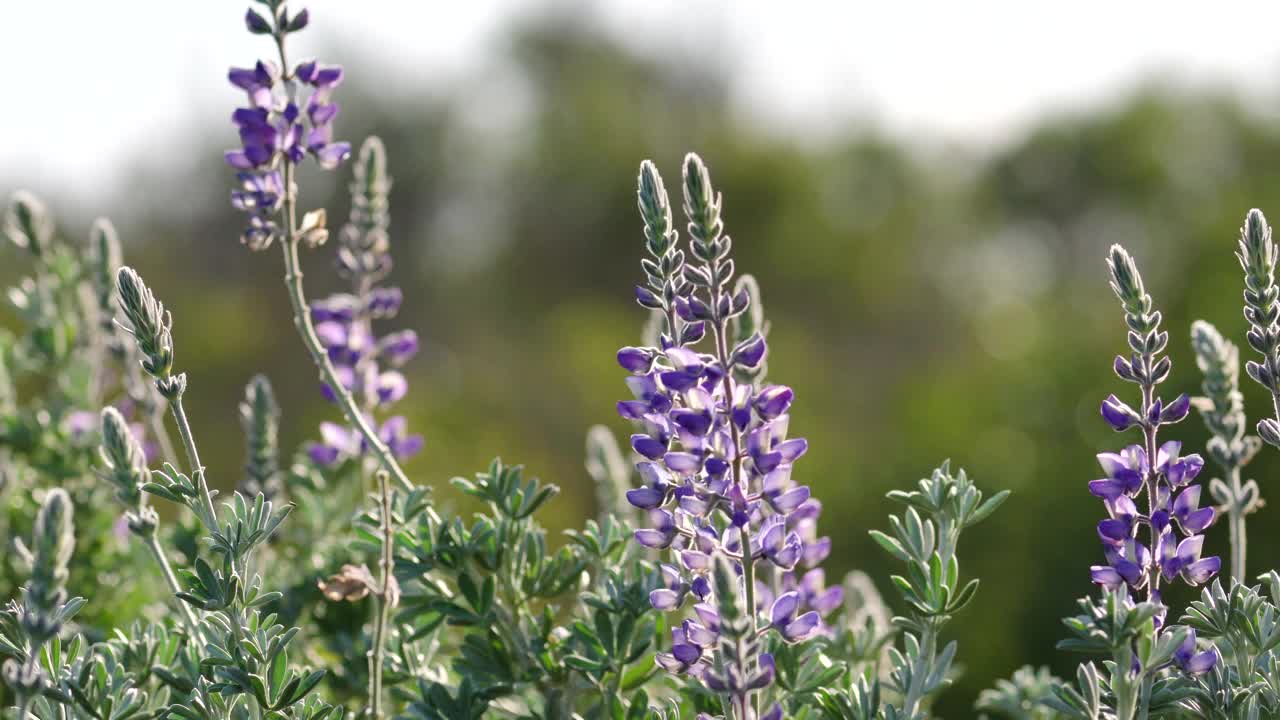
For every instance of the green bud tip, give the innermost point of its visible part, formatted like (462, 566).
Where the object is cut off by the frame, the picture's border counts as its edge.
(655, 207)
(1257, 251)
(1126, 281)
(54, 536)
(104, 250)
(151, 323)
(701, 201)
(27, 223)
(121, 451)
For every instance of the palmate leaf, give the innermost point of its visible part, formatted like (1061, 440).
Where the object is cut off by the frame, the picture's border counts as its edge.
(503, 489)
(248, 526)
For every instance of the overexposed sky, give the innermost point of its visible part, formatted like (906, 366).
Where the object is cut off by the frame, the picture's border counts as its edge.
(90, 84)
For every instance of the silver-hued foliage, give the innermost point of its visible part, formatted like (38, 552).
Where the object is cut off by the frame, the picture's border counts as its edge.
(260, 423)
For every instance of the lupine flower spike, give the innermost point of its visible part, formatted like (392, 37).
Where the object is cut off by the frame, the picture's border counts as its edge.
(367, 365)
(1257, 256)
(717, 460)
(1155, 470)
(288, 114)
(1222, 408)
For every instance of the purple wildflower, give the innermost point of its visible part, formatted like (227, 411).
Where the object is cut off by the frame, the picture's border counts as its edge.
(1192, 662)
(344, 323)
(717, 460)
(274, 129)
(1174, 518)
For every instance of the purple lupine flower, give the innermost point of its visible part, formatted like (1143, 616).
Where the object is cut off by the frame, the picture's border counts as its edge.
(366, 364)
(274, 130)
(654, 492)
(1119, 527)
(337, 442)
(717, 464)
(1126, 477)
(81, 425)
(1179, 471)
(686, 654)
(258, 82)
(672, 594)
(661, 534)
(1192, 662)
(1187, 511)
(1127, 563)
(1174, 519)
(1124, 473)
(813, 592)
(1119, 415)
(783, 617)
(398, 348)
(773, 401)
(395, 433)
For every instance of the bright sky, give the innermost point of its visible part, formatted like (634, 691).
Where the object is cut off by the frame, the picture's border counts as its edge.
(91, 83)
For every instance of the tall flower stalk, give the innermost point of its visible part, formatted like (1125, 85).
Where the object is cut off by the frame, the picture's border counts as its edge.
(103, 261)
(151, 327)
(248, 658)
(1257, 255)
(260, 423)
(124, 465)
(367, 364)
(717, 460)
(338, 332)
(1222, 409)
(1157, 471)
(45, 607)
(1151, 469)
(271, 130)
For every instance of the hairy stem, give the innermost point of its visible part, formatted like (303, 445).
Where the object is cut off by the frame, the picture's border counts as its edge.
(32, 666)
(748, 556)
(914, 696)
(1235, 519)
(157, 552)
(1275, 404)
(155, 424)
(1151, 481)
(306, 329)
(210, 515)
(382, 601)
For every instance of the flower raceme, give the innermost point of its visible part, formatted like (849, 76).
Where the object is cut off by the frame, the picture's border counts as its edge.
(279, 126)
(1158, 471)
(367, 365)
(716, 453)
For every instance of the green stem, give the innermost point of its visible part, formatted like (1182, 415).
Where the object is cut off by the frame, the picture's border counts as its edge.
(32, 666)
(302, 314)
(306, 329)
(1235, 519)
(748, 558)
(382, 601)
(155, 423)
(1151, 482)
(157, 552)
(916, 690)
(1144, 697)
(210, 515)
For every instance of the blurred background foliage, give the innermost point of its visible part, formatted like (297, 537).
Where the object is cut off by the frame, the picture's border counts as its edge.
(927, 301)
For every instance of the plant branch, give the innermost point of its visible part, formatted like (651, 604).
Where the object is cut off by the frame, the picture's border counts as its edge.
(383, 601)
(210, 514)
(157, 552)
